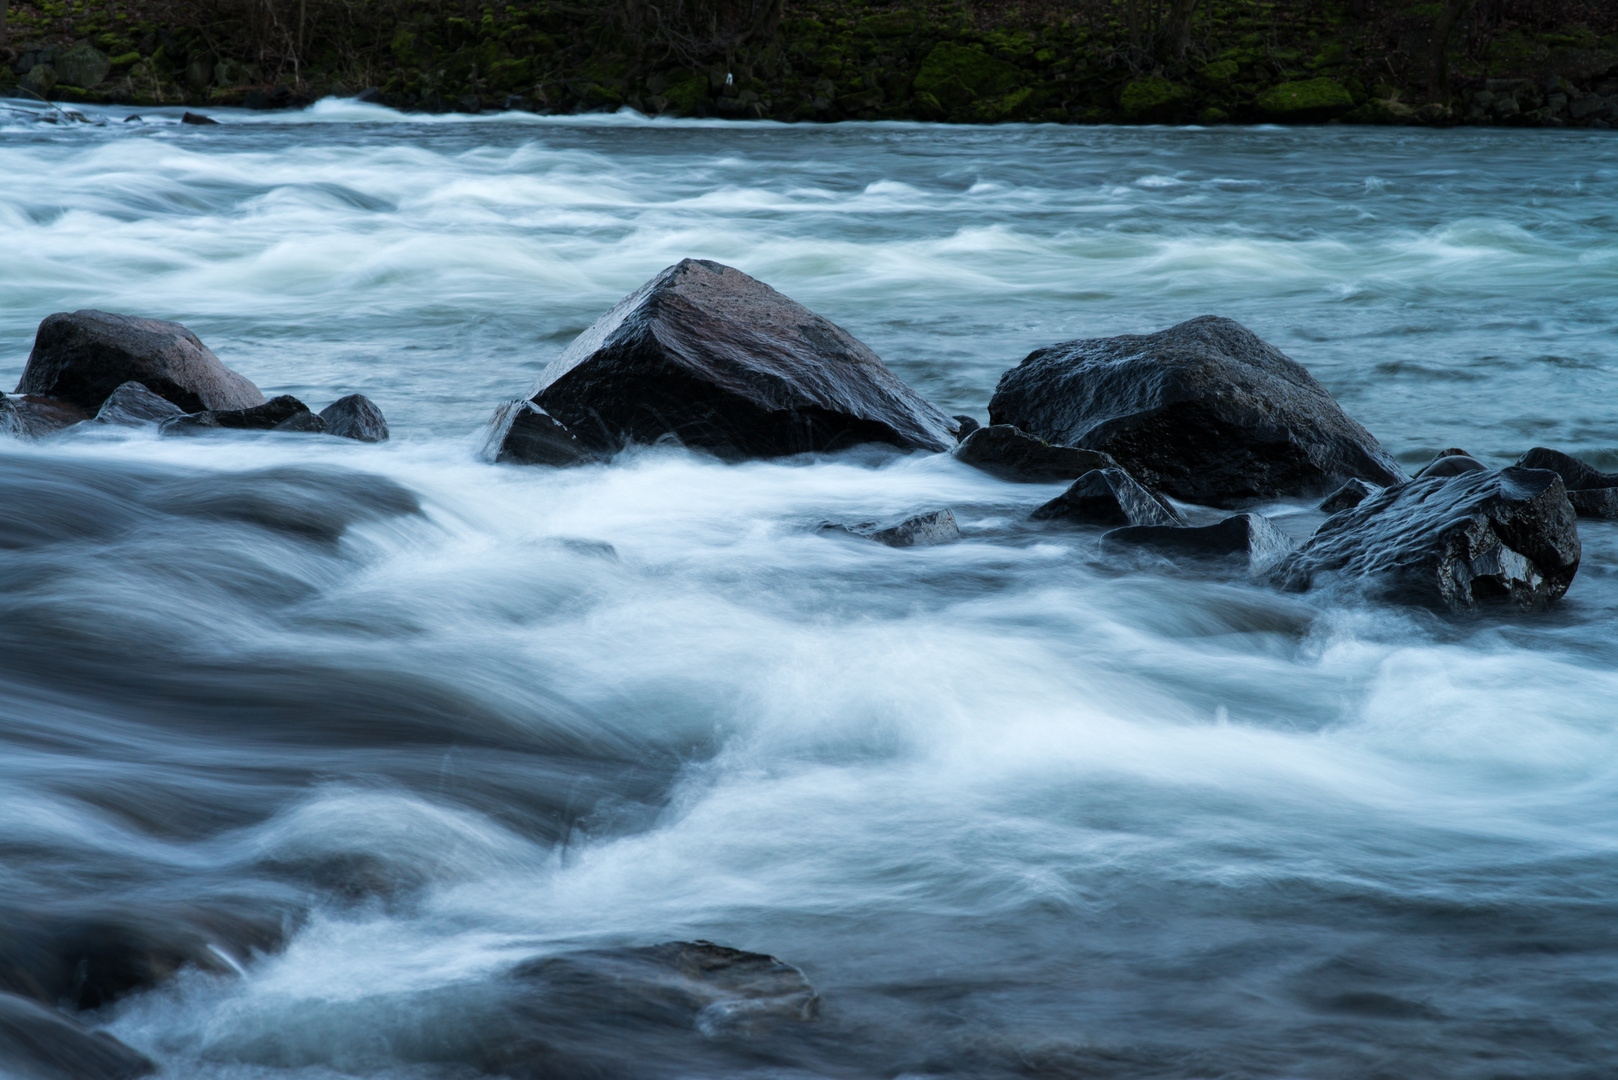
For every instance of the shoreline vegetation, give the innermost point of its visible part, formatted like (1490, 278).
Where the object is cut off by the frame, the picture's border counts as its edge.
(1547, 63)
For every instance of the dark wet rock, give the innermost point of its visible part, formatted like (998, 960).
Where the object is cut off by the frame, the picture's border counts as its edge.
(132, 405)
(196, 118)
(967, 424)
(1205, 411)
(680, 983)
(1251, 538)
(707, 357)
(1576, 475)
(355, 417)
(1598, 503)
(39, 1043)
(33, 416)
(1451, 462)
(1109, 497)
(284, 413)
(1013, 454)
(84, 356)
(1351, 494)
(1455, 542)
(923, 530)
(521, 433)
(83, 66)
(89, 961)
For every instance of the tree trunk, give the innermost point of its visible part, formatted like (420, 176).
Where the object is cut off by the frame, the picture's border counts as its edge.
(1177, 32)
(1438, 75)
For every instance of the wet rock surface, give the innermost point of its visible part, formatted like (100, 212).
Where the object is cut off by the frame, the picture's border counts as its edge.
(922, 530)
(355, 417)
(1451, 462)
(1013, 454)
(1593, 493)
(39, 1043)
(707, 357)
(1251, 540)
(1205, 411)
(34, 416)
(1454, 543)
(1108, 497)
(84, 356)
(284, 413)
(521, 433)
(1351, 494)
(132, 405)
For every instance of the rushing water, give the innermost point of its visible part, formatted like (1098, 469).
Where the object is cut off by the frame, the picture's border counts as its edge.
(1013, 809)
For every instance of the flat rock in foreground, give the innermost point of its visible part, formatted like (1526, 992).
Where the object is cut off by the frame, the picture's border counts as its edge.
(132, 405)
(1454, 542)
(32, 416)
(1015, 455)
(1205, 411)
(84, 356)
(284, 413)
(922, 530)
(707, 357)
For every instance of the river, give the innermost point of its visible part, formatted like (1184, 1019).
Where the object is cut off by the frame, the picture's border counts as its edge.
(1013, 809)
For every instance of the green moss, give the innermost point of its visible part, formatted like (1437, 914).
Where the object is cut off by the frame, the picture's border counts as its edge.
(1220, 72)
(891, 24)
(1152, 99)
(510, 74)
(979, 73)
(1310, 99)
(124, 60)
(686, 95)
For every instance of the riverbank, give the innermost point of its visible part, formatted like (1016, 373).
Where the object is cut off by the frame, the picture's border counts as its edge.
(826, 60)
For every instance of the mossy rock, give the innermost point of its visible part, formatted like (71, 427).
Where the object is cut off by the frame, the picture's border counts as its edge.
(1153, 99)
(1310, 99)
(1213, 115)
(124, 60)
(928, 107)
(1220, 72)
(1013, 106)
(687, 94)
(510, 74)
(1381, 111)
(981, 74)
(891, 24)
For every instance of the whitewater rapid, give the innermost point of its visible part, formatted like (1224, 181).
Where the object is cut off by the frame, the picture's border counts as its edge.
(1013, 808)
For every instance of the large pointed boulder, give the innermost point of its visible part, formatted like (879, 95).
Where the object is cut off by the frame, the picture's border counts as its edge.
(1205, 411)
(84, 356)
(1455, 542)
(707, 357)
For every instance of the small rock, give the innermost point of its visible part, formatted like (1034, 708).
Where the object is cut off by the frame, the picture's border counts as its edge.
(1452, 462)
(84, 356)
(1351, 494)
(1451, 542)
(33, 416)
(40, 80)
(923, 530)
(1252, 538)
(355, 417)
(284, 413)
(41, 1043)
(712, 359)
(1593, 493)
(968, 425)
(1205, 411)
(196, 118)
(132, 405)
(1598, 503)
(1012, 454)
(521, 433)
(1109, 497)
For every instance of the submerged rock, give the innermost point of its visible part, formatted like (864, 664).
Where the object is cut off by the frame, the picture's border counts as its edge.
(355, 417)
(39, 1043)
(707, 357)
(1593, 493)
(132, 405)
(1205, 411)
(284, 413)
(1251, 538)
(33, 416)
(1012, 454)
(521, 433)
(1455, 542)
(923, 530)
(1451, 462)
(967, 425)
(1351, 494)
(1109, 497)
(84, 356)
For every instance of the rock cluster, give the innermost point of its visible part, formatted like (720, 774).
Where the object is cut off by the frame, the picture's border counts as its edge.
(132, 371)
